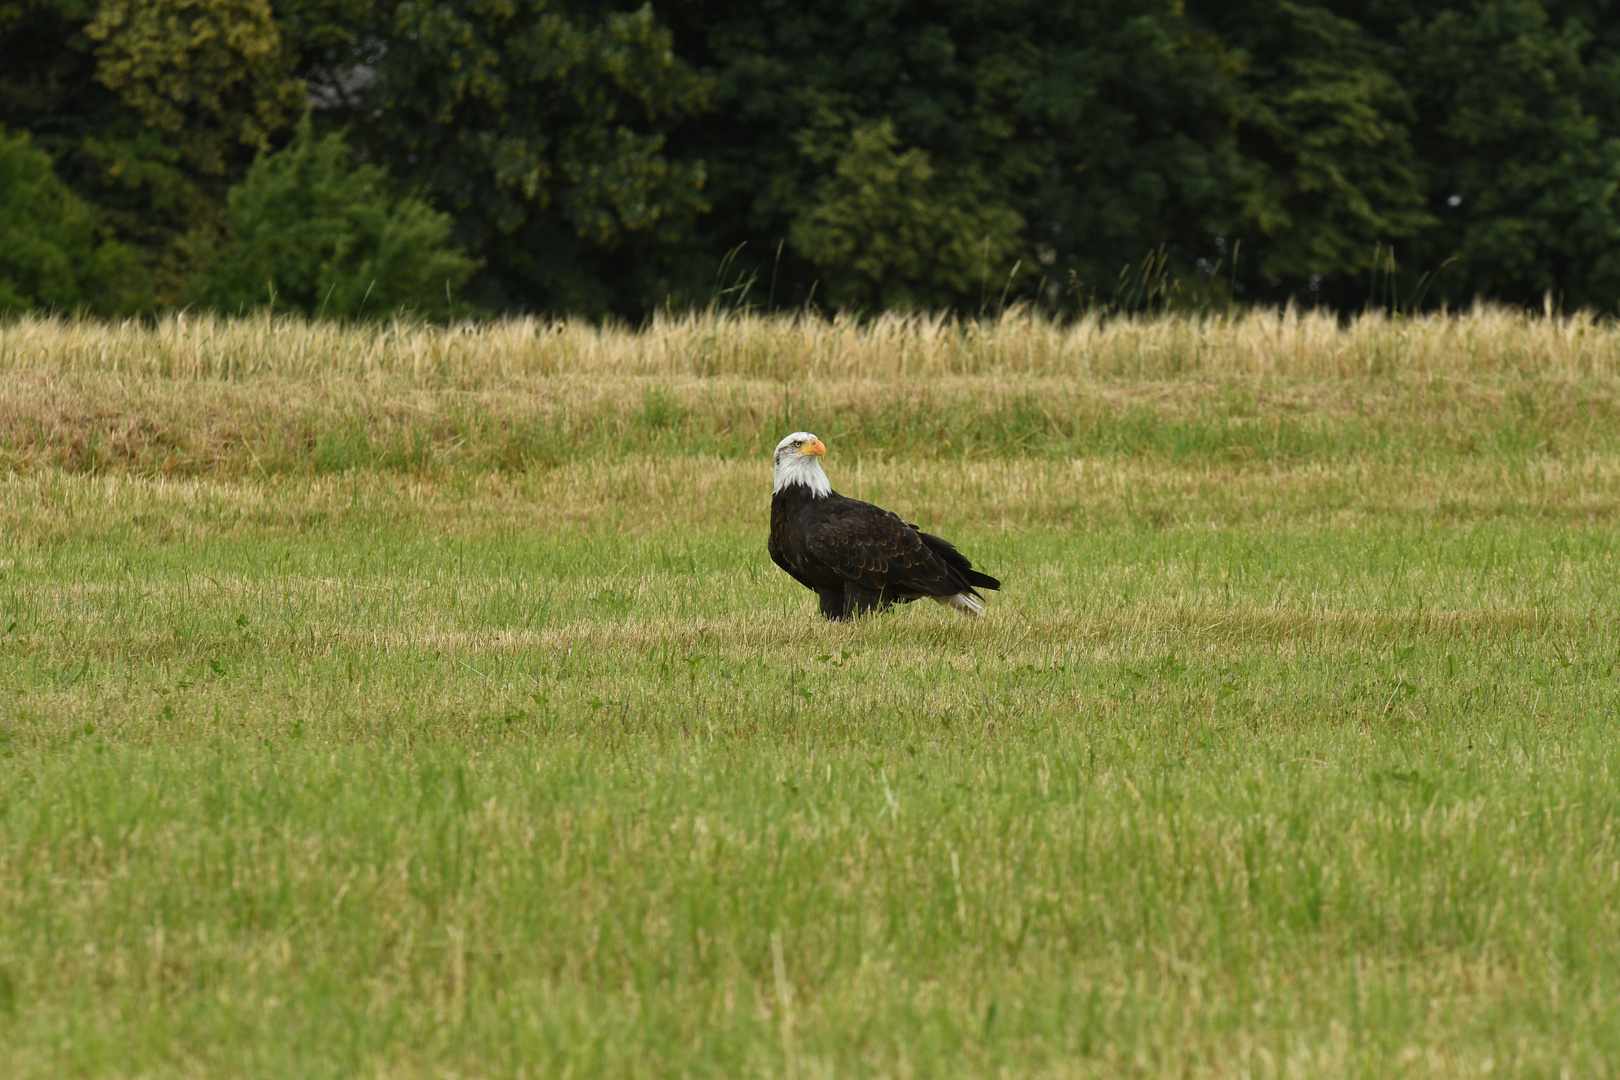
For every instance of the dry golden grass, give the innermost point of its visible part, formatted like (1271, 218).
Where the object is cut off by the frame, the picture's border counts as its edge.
(262, 397)
(788, 347)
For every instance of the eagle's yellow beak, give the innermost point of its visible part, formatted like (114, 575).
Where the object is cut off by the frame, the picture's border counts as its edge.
(814, 447)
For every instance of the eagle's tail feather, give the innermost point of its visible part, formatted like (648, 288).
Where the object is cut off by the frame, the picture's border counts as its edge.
(966, 602)
(980, 581)
(958, 562)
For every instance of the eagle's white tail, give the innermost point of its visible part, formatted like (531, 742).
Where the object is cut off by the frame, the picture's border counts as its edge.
(965, 602)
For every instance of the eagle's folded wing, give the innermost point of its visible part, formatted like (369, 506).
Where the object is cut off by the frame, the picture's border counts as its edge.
(877, 549)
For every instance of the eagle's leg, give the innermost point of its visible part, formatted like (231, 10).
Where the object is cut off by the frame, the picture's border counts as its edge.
(859, 600)
(832, 602)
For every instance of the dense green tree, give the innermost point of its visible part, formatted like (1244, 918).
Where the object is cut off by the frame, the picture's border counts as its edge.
(541, 126)
(1519, 106)
(52, 255)
(313, 231)
(211, 74)
(1066, 138)
(886, 231)
(609, 157)
(1323, 127)
(150, 109)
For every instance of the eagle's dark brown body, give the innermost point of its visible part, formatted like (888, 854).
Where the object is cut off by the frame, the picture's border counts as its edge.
(858, 557)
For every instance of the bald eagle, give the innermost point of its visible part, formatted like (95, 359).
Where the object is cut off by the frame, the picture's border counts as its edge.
(855, 556)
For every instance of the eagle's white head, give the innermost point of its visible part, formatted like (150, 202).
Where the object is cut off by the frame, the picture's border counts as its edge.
(798, 461)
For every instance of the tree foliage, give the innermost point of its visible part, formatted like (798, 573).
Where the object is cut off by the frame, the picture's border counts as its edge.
(314, 232)
(884, 230)
(151, 109)
(1067, 137)
(607, 157)
(1322, 125)
(542, 127)
(209, 73)
(1520, 107)
(52, 255)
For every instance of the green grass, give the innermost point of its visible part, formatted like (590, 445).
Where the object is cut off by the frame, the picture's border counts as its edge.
(1289, 749)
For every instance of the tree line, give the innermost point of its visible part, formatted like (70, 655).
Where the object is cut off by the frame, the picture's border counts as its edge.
(350, 158)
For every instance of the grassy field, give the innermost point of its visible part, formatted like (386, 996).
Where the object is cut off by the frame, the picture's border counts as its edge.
(405, 702)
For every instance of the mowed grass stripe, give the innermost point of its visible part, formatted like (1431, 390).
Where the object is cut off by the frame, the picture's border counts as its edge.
(275, 426)
(651, 494)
